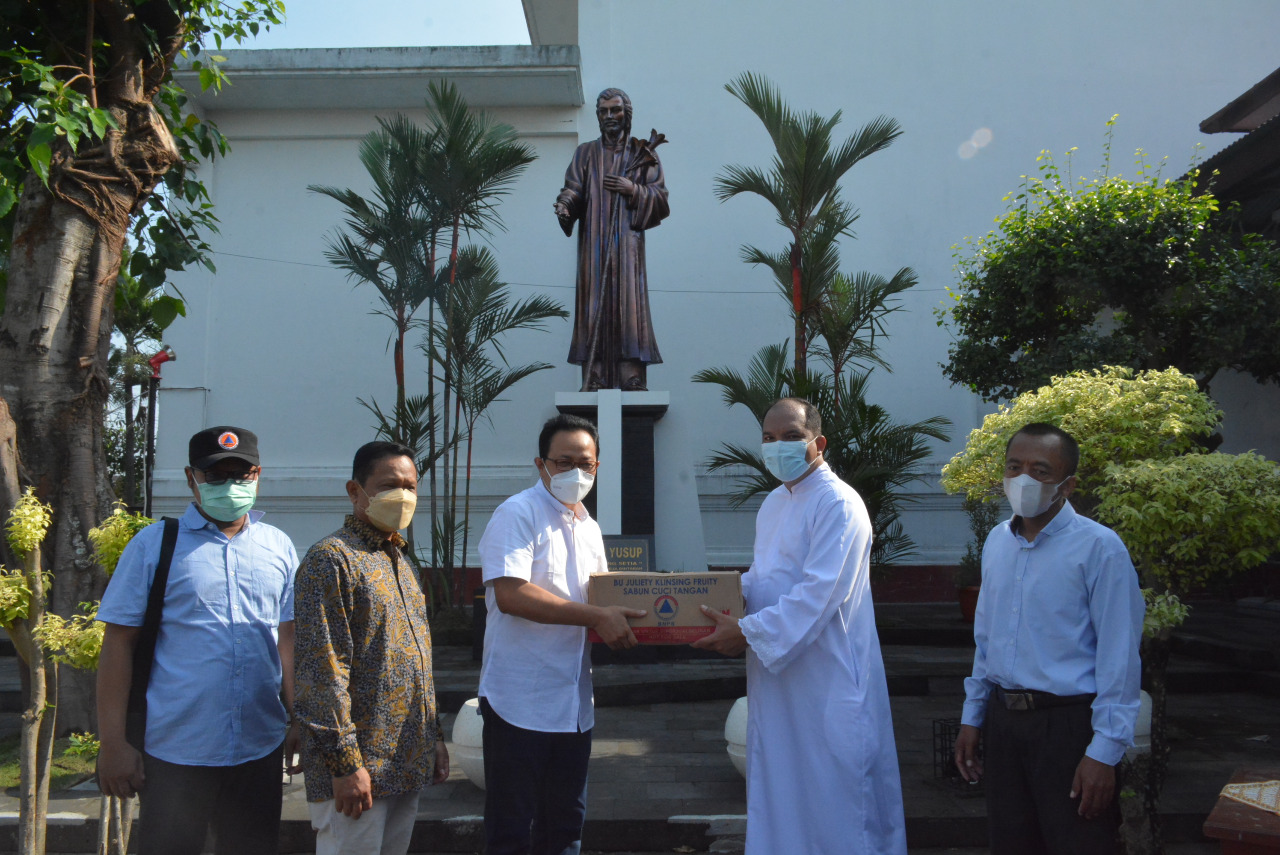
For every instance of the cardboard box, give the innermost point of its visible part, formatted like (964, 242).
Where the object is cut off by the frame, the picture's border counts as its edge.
(671, 601)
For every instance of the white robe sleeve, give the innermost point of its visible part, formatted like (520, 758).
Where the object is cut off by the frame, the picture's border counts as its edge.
(839, 546)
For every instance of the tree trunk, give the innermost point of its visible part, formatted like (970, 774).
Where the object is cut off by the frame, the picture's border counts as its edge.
(54, 337)
(115, 821)
(1143, 779)
(36, 750)
(54, 340)
(452, 373)
(461, 564)
(1155, 665)
(1138, 835)
(10, 482)
(35, 774)
(130, 445)
(466, 512)
(431, 396)
(798, 307)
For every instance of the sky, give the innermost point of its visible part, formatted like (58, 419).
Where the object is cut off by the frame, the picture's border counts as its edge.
(396, 23)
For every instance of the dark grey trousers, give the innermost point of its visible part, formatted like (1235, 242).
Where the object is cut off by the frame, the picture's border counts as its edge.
(1030, 759)
(240, 804)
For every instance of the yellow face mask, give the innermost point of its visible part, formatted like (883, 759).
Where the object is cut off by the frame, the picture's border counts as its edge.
(391, 510)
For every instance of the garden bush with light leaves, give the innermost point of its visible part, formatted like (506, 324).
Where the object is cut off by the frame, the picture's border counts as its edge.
(76, 641)
(1196, 518)
(1117, 415)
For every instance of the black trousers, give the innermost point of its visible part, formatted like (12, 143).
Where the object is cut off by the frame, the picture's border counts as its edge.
(241, 804)
(1030, 759)
(535, 788)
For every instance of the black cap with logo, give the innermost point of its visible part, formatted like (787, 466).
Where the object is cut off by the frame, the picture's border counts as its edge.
(221, 443)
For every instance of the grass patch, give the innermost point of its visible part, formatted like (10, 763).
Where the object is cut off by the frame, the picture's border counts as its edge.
(67, 770)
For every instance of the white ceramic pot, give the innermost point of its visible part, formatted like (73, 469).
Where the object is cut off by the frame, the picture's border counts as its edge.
(468, 742)
(1142, 730)
(735, 735)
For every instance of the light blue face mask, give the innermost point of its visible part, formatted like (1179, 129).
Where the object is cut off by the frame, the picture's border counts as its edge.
(228, 502)
(786, 460)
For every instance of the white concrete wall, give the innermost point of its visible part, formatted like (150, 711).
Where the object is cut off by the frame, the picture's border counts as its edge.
(286, 348)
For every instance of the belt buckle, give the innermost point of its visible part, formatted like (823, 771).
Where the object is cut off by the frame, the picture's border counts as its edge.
(1019, 701)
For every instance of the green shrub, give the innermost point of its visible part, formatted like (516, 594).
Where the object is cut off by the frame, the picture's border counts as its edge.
(1116, 414)
(1194, 518)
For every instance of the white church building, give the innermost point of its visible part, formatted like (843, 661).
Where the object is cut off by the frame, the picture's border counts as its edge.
(280, 342)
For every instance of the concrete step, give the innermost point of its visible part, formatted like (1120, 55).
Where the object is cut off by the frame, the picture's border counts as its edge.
(661, 780)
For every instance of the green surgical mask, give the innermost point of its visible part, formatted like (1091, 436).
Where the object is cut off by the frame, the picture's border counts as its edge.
(227, 502)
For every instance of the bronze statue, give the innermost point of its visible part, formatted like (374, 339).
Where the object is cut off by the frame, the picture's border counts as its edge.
(614, 186)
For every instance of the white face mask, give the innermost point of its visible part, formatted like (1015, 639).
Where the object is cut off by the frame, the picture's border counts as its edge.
(571, 487)
(786, 459)
(1028, 497)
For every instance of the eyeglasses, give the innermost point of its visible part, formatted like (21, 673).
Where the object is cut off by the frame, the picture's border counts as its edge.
(564, 464)
(217, 480)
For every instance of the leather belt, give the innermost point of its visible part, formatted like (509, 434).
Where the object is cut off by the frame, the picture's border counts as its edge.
(1021, 701)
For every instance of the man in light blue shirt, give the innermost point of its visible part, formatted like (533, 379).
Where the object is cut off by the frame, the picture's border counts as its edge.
(1056, 673)
(222, 675)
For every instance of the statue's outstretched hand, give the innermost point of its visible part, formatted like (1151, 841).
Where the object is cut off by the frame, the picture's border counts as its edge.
(565, 218)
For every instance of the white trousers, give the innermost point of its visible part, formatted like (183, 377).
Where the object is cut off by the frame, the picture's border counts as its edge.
(384, 829)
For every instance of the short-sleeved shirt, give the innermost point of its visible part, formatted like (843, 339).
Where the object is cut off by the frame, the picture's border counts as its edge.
(538, 676)
(214, 696)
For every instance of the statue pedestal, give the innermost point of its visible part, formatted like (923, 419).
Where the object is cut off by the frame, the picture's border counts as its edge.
(624, 488)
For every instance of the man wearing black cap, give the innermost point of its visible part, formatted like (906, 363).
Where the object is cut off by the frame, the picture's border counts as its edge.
(221, 683)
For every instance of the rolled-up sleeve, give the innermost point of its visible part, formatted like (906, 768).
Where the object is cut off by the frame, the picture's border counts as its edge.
(323, 654)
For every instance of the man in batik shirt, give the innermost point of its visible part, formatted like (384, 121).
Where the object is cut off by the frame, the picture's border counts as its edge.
(365, 700)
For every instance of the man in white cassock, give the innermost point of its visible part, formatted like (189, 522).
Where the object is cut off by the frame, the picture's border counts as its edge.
(822, 771)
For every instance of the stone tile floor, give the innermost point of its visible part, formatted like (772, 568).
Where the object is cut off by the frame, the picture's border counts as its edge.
(654, 761)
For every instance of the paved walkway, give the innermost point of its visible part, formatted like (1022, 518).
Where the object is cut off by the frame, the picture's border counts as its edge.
(661, 780)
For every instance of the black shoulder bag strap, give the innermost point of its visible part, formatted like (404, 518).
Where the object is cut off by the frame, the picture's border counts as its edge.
(144, 652)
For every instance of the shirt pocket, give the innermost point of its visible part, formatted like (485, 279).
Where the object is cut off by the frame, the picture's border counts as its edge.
(198, 583)
(262, 580)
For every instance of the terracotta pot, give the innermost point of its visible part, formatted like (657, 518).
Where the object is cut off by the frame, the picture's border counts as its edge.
(968, 602)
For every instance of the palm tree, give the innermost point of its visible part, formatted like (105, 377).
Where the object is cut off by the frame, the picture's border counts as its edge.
(803, 181)
(475, 163)
(819, 266)
(483, 384)
(429, 182)
(852, 313)
(388, 235)
(865, 447)
(481, 312)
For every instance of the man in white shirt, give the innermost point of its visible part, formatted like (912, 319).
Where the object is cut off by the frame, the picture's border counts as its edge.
(1056, 671)
(822, 770)
(535, 682)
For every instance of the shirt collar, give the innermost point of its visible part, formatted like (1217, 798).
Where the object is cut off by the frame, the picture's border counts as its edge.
(374, 537)
(814, 477)
(1060, 521)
